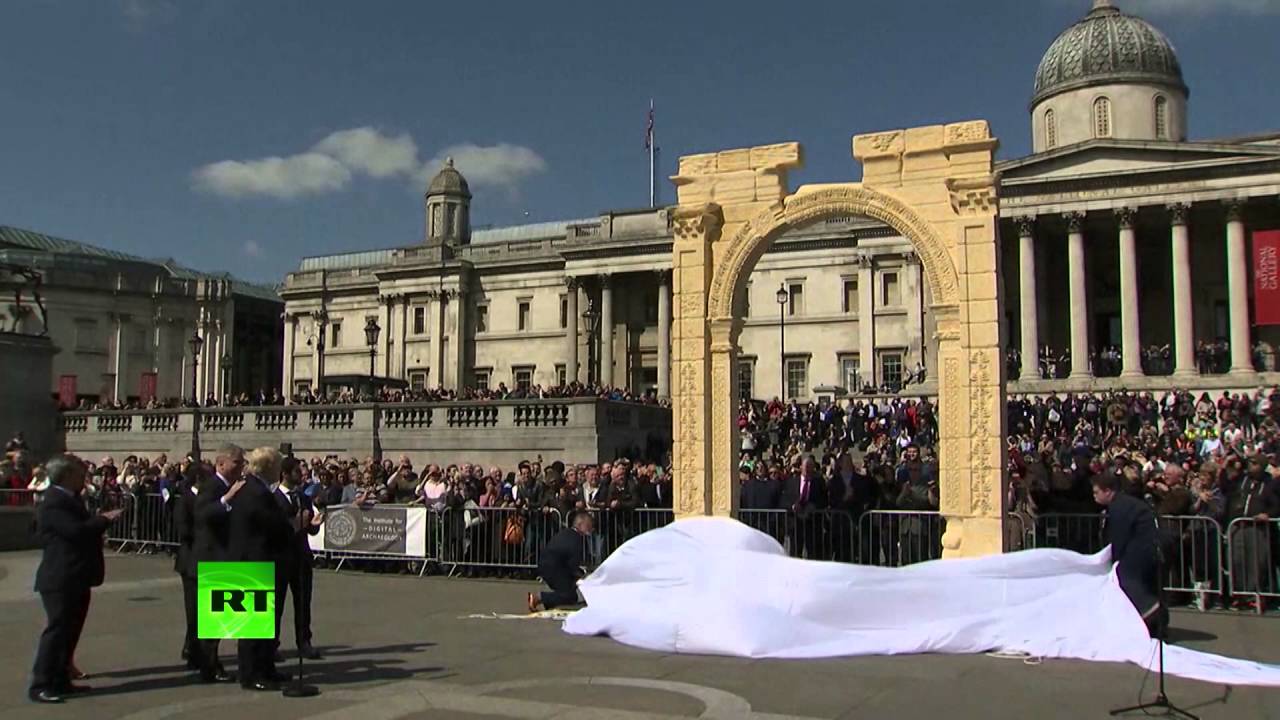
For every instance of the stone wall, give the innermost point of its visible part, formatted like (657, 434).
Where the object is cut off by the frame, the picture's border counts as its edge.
(500, 432)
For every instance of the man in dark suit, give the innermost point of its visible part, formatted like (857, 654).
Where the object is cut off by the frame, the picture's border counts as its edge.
(183, 500)
(260, 531)
(298, 573)
(560, 565)
(1131, 529)
(211, 523)
(805, 495)
(71, 565)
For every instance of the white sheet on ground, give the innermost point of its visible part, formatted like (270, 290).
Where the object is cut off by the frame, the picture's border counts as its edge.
(715, 586)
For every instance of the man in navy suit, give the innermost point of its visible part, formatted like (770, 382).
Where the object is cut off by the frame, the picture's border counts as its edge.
(210, 540)
(71, 565)
(298, 577)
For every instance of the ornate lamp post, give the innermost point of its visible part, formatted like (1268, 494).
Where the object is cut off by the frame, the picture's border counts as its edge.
(783, 297)
(196, 343)
(371, 331)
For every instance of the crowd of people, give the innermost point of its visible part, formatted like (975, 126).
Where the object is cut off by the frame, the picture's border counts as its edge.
(1212, 358)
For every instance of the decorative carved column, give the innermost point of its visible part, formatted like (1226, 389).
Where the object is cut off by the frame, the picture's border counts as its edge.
(290, 338)
(1079, 296)
(1131, 347)
(866, 322)
(606, 331)
(571, 330)
(1027, 298)
(1238, 289)
(664, 334)
(1184, 351)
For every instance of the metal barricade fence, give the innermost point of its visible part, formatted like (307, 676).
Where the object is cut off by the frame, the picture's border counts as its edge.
(17, 497)
(894, 538)
(816, 535)
(487, 537)
(367, 558)
(612, 528)
(1080, 532)
(1192, 557)
(149, 522)
(1250, 562)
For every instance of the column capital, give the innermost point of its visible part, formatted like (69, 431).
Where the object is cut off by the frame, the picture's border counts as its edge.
(572, 282)
(606, 279)
(1026, 225)
(863, 260)
(663, 276)
(1235, 209)
(1126, 216)
(1075, 221)
(1178, 212)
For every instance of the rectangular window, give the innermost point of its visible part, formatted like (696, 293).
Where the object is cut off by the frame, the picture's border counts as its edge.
(850, 372)
(889, 290)
(301, 387)
(795, 301)
(891, 368)
(522, 315)
(746, 380)
(797, 377)
(851, 295)
(335, 333)
(419, 320)
(522, 377)
(482, 319)
(562, 375)
(418, 380)
(564, 311)
(746, 301)
(482, 376)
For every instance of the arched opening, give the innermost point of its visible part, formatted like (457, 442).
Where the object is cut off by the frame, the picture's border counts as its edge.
(1050, 130)
(1161, 112)
(941, 197)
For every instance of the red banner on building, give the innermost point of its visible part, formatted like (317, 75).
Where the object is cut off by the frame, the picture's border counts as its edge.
(147, 388)
(67, 391)
(1266, 277)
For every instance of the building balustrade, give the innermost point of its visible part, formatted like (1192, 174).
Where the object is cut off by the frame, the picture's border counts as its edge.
(493, 432)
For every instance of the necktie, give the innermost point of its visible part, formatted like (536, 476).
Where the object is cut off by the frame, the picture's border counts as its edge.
(804, 490)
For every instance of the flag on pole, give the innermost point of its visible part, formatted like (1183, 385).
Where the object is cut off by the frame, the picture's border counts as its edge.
(648, 131)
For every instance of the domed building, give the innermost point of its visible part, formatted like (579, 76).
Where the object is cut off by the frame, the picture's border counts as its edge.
(1126, 256)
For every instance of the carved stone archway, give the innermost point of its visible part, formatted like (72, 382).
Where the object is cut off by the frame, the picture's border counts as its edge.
(933, 185)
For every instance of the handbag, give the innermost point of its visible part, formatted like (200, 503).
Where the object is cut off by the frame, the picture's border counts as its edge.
(513, 532)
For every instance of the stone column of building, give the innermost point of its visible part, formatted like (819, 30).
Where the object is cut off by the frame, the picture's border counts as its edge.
(1184, 350)
(120, 360)
(402, 352)
(913, 278)
(215, 364)
(571, 330)
(664, 333)
(389, 338)
(1131, 336)
(457, 360)
(866, 322)
(1078, 295)
(1029, 311)
(1237, 289)
(286, 376)
(436, 373)
(606, 331)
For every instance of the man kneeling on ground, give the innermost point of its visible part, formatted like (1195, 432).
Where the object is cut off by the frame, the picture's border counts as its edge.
(560, 566)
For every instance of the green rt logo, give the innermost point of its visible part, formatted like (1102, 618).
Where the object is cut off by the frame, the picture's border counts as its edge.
(236, 600)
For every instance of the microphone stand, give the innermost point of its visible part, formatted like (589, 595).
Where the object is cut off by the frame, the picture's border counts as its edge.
(1161, 700)
(297, 688)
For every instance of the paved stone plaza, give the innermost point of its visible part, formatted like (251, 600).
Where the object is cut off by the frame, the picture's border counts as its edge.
(399, 647)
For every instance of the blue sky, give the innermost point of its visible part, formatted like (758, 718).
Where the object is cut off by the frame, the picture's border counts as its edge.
(241, 135)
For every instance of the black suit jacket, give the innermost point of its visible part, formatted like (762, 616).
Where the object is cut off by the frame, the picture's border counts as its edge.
(761, 495)
(260, 530)
(562, 557)
(211, 523)
(817, 493)
(1132, 532)
(301, 547)
(184, 527)
(72, 540)
(656, 494)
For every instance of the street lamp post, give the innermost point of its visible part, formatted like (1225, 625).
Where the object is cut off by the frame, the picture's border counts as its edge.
(371, 331)
(783, 297)
(196, 343)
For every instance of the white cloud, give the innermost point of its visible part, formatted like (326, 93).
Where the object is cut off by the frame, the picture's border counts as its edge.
(252, 249)
(366, 150)
(142, 12)
(288, 177)
(1195, 7)
(501, 165)
(331, 164)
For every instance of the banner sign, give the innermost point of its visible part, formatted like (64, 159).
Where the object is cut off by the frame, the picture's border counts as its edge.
(67, 391)
(381, 529)
(1266, 277)
(147, 387)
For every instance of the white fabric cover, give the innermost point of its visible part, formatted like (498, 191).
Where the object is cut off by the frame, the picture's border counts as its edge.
(715, 586)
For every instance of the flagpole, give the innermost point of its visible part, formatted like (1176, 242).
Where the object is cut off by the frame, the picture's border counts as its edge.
(653, 145)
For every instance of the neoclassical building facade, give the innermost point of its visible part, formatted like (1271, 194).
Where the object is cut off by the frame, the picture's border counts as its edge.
(1117, 231)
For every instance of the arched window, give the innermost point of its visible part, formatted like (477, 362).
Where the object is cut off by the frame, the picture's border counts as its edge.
(1050, 130)
(1162, 117)
(1102, 118)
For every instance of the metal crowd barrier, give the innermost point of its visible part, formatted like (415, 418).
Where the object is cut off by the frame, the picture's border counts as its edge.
(1081, 532)
(485, 537)
(147, 521)
(1192, 553)
(612, 528)
(17, 497)
(894, 538)
(1251, 560)
(816, 535)
(375, 559)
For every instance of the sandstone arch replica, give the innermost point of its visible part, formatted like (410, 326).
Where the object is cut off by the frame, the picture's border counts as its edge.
(933, 185)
